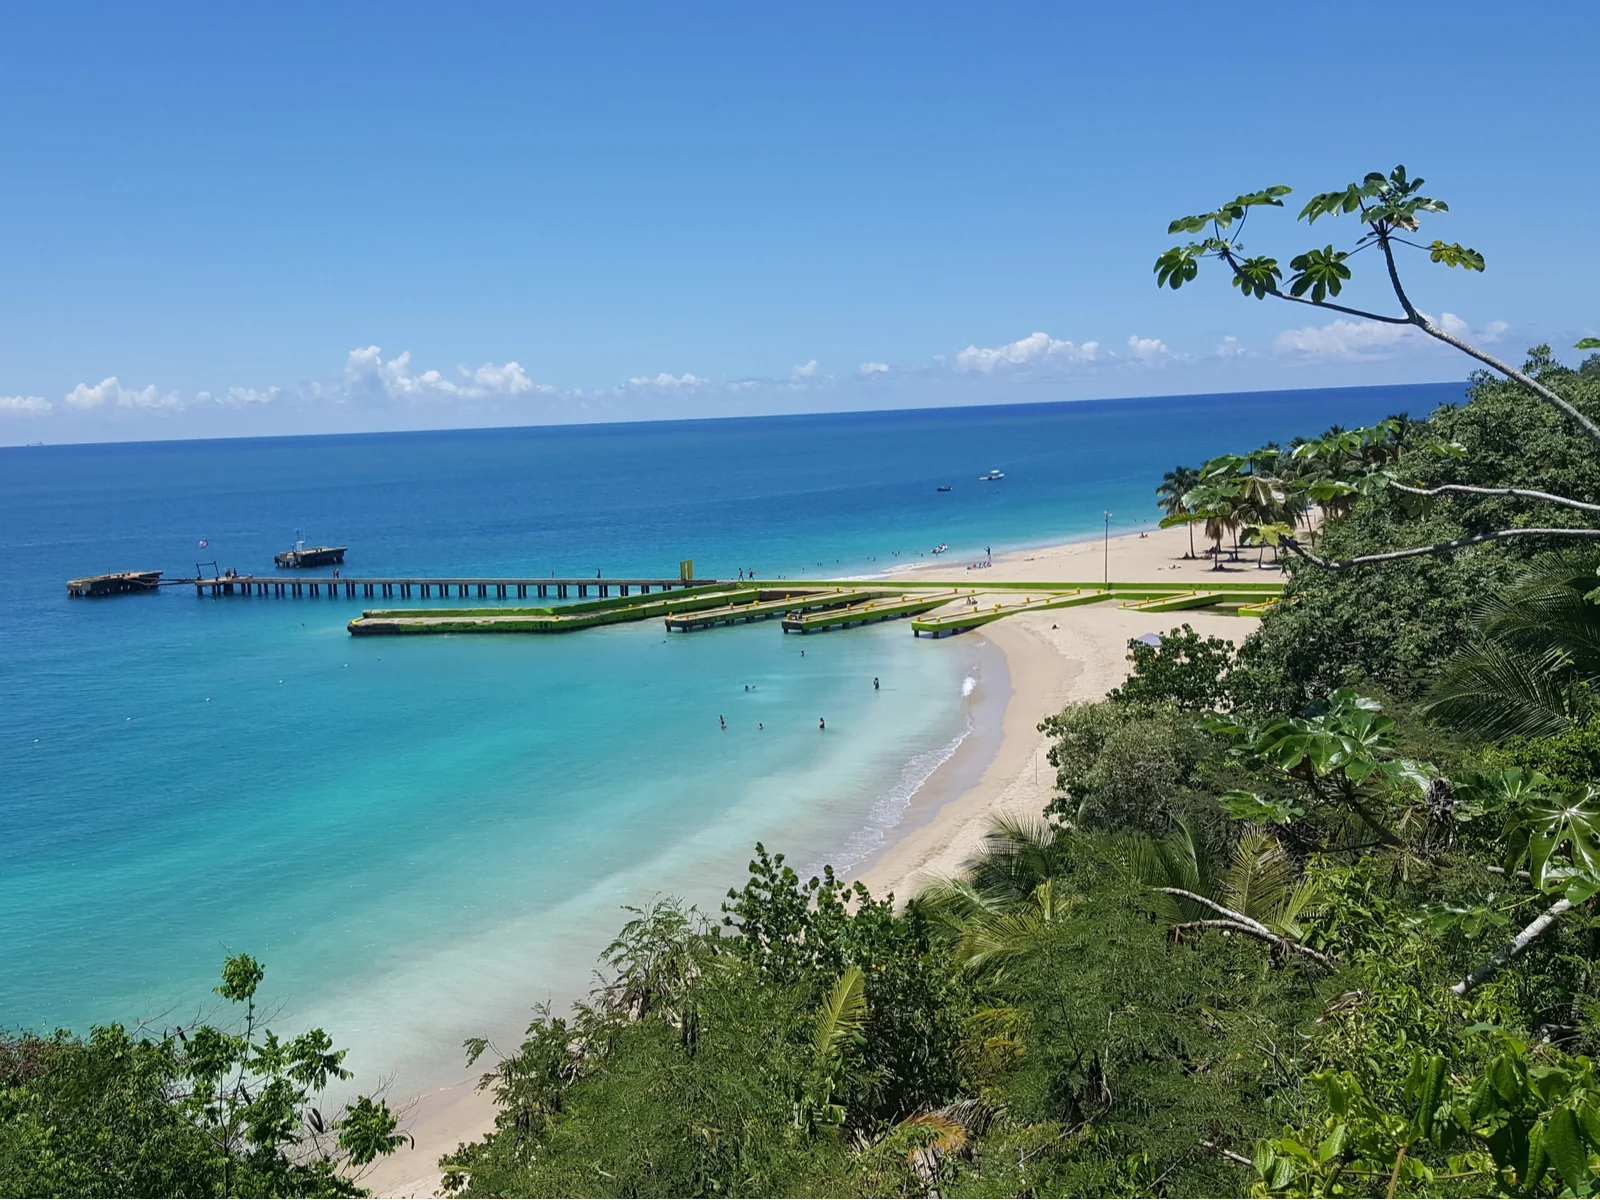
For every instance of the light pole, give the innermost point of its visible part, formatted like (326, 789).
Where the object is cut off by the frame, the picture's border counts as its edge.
(1108, 548)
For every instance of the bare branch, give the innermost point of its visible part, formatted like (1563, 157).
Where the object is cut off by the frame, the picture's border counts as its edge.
(1240, 923)
(1537, 928)
(1476, 539)
(1514, 493)
(1420, 320)
(1394, 274)
(1590, 429)
(1230, 1155)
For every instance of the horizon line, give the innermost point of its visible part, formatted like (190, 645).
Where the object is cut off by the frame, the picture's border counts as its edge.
(843, 412)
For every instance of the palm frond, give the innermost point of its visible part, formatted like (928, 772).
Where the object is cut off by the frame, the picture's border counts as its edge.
(1494, 691)
(1287, 922)
(1259, 879)
(843, 1015)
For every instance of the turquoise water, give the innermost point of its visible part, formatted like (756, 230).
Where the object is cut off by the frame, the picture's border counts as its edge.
(423, 837)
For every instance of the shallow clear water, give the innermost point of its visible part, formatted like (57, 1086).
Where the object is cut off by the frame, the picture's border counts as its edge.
(422, 837)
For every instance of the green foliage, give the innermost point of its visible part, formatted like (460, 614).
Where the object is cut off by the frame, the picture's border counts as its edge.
(1186, 670)
(1388, 206)
(204, 1111)
(1569, 759)
(1535, 654)
(1396, 624)
(1127, 767)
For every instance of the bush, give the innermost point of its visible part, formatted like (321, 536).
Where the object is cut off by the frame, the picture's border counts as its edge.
(1125, 767)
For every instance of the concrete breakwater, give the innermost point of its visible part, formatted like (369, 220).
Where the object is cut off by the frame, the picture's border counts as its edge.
(935, 608)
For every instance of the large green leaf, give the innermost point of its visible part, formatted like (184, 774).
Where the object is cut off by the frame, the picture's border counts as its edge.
(1564, 1143)
(1541, 829)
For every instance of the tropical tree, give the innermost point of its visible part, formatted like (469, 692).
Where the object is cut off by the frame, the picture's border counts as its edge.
(1174, 486)
(1390, 209)
(1530, 670)
(1254, 893)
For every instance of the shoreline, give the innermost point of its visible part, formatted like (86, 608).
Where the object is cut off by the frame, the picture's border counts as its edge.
(1031, 665)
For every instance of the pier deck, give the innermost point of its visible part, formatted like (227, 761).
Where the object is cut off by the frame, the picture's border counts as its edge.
(898, 604)
(563, 619)
(405, 588)
(775, 604)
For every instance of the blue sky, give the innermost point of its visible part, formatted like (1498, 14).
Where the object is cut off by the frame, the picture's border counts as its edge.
(308, 218)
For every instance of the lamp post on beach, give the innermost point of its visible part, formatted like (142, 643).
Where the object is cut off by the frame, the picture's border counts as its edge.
(1108, 547)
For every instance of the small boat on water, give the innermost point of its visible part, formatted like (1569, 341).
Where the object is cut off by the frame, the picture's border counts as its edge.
(994, 474)
(941, 548)
(946, 488)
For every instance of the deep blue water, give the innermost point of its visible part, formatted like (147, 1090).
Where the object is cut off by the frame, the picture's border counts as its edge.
(421, 837)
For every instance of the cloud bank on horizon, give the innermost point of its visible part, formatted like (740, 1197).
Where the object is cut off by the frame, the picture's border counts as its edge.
(375, 391)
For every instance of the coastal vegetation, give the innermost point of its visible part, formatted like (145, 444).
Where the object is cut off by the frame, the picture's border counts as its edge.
(1311, 919)
(200, 1110)
(1316, 917)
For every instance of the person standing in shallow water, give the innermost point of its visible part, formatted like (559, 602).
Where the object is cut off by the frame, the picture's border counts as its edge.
(822, 724)
(874, 683)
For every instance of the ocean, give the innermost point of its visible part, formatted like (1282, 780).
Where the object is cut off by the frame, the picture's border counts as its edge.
(422, 838)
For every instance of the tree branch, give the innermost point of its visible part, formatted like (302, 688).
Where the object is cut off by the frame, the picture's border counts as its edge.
(1233, 266)
(1230, 1155)
(1437, 548)
(1589, 428)
(1514, 493)
(1240, 923)
(1535, 929)
(1394, 273)
(1413, 317)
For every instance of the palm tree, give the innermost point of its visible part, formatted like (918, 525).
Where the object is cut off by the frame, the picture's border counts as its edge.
(1254, 893)
(1176, 484)
(1535, 656)
(1007, 897)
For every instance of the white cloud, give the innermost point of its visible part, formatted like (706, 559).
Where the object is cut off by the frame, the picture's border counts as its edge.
(1034, 350)
(366, 367)
(24, 406)
(238, 397)
(509, 380)
(1230, 348)
(1344, 338)
(110, 391)
(1456, 327)
(1147, 349)
(870, 369)
(806, 371)
(664, 380)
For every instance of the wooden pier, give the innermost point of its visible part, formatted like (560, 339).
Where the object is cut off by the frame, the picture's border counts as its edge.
(422, 588)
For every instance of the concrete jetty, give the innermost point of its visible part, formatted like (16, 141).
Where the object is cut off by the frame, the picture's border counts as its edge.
(117, 584)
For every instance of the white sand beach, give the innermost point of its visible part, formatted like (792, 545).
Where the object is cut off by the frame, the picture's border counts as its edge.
(1051, 659)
